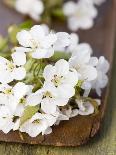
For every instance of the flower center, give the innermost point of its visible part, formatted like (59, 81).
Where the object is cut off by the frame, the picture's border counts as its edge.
(10, 66)
(36, 121)
(35, 44)
(47, 94)
(8, 91)
(22, 101)
(57, 80)
(80, 13)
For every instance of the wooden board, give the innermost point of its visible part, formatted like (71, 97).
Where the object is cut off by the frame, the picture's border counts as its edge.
(73, 133)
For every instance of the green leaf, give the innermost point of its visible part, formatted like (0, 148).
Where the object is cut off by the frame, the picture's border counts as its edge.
(60, 55)
(28, 113)
(26, 25)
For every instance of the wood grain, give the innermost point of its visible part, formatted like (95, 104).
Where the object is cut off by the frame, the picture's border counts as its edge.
(101, 38)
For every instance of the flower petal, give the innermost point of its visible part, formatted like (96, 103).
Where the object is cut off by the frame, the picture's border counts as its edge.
(69, 8)
(72, 78)
(89, 109)
(93, 61)
(22, 6)
(49, 72)
(5, 76)
(48, 41)
(22, 49)
(37, 32)
(66, 91)
(87, 72)
(61, 101)
(62, 67)
(24, 38)
(43, 53)
(103, 65)
(48, 107)
(19, 58)
(6, 125)
(19, 73)
(20, 90)
(63, 40)
(34, 99)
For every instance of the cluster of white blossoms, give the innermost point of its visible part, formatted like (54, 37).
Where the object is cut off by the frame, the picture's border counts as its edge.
(35, 112)
(81, 14)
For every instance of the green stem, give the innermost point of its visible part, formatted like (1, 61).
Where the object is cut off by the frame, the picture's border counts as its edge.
(60, 55)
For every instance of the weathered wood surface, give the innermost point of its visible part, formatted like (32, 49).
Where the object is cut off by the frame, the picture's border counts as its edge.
(105, 142)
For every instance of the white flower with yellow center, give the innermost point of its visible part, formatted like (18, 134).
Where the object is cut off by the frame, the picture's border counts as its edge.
(12, 104)
(13, 96)
(59, 85)
(39, 123)
(62, 77)
(80, 14)
(80, 61)
(12, 70)
(33, 8)
(63, 38)
(48, 98)
(37, 42)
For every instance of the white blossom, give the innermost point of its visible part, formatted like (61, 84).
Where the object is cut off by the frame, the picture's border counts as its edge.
(60, 117)
(36, 42)
(39, 123)
(85, 108)
(12, 70)
(48, 97)
(80, 60)
(12, 96)
(6, 124)
(73, 43)
(71, 46)
(33, 8)
(57, 89)
(62, 77)
(69, 112)
(39, 43)
(63, 41)
(102, 79)
(80, 14)
(96, 2)
(12, 104)
(60, 82)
